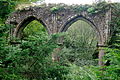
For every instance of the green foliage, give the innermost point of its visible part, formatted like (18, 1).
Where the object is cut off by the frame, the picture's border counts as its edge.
(112, 57)
(3, 41)
(79, 44)
(91, 9)
(81, 8)
(54, 9)
(31, 60)
(100, 7)
(111, 72)
(33, 28)
(5, 49)
(113, 52)
(57, 72)
(115, 23)
(57, 8)
(6, 7)
(114, 69)
(80, 73)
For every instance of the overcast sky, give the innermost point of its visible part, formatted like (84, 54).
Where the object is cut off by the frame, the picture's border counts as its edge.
(75, 1)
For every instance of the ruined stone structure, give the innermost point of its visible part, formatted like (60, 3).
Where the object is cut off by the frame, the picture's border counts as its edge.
(58, 20)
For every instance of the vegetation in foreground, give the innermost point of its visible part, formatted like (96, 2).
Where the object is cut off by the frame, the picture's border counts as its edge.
(31, 60)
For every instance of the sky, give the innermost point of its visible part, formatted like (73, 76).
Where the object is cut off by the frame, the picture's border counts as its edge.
(75, 1)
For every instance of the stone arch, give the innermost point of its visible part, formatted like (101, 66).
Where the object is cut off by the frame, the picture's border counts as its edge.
(20, 27)
(79, 17)
(61, 20)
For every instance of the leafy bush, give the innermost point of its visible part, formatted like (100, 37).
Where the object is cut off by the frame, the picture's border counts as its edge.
(80, 73)
(31, 59)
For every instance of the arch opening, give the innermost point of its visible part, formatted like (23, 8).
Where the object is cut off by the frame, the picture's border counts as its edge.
(33, 28)
(81, 41)
(30, 26)
(92, 25)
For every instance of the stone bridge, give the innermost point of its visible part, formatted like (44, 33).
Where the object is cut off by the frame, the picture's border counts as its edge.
(59, 20)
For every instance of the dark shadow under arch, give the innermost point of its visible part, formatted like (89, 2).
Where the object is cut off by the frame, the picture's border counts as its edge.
(76, 18)
(24, 23)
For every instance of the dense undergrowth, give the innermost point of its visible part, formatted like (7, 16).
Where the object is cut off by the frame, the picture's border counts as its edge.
(32, 60)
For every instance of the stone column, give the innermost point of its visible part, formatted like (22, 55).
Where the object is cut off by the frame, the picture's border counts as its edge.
(101, 54)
